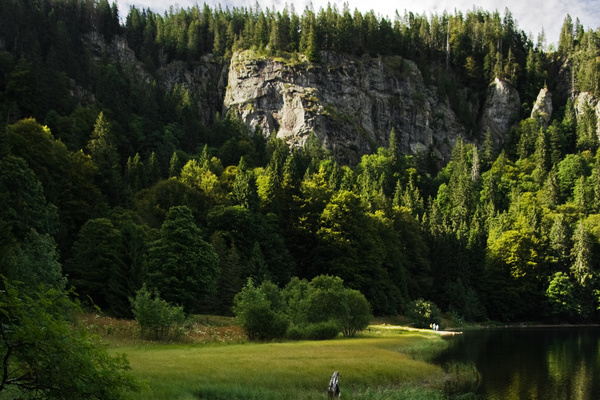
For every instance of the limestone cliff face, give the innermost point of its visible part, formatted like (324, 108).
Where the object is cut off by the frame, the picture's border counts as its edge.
(501, 109)
(350, 104)
(206, 80)
(585, 100)
(542, 108)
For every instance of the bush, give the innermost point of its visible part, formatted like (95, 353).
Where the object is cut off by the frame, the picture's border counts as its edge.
(47, 355)
(326, 299)
(255, 314)
(423, 313)
(262, 323)
(358, 313)
(317, 310)
(156, 317)
(294, 333)
(322, 330)
(316, 331)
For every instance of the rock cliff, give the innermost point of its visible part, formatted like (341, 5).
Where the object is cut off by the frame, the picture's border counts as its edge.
(501, 109)
(350, 104)
(542, 108)
(585, 100)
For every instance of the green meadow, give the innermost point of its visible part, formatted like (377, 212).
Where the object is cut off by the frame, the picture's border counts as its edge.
(381, 364)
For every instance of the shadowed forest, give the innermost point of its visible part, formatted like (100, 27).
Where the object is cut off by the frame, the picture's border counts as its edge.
(110, 180)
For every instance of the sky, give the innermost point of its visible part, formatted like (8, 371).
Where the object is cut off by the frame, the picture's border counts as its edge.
(531, 15)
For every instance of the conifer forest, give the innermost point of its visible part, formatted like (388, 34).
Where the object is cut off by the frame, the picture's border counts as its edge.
(111, 178)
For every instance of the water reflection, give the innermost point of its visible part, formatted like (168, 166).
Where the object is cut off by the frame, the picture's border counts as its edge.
(533, 363)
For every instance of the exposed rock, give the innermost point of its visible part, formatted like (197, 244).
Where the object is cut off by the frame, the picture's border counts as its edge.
(206, 80)
(583, 100)
(351, 104)
(501, 109)
(117, 50)
(542, 108)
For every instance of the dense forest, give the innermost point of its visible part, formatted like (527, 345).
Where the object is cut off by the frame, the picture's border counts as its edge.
(110, 180)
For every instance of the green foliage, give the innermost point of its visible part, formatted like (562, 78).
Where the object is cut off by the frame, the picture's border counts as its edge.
(481, 238)
(560, 296)
(423, 313)
(324, 302)
(34, 262)
(181, 265)
(465, 302)
(44, 355)
(157, 318)
(22, 200)
(107, 265)
(315, 310)
(257, 315)
(324, 330)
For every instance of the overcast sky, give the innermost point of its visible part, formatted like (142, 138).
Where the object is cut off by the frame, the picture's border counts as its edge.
(531, 15)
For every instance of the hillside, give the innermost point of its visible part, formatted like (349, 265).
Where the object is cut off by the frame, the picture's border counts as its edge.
(445, 157)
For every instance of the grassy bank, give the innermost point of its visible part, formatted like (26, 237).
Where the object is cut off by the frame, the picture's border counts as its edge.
(382, 364)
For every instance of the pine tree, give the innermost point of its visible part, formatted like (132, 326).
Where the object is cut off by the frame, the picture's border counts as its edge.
(566, 39)
(595, 184)
(103, 151)
(560, 242)
(256, 266)
(488, 155)
(550, 190)
(581, 267)
(181, 265)
(312, 51)
(587, 129)
(174, 165)
(153, 169)
(244, 191)
(394, 149)
(475, 167)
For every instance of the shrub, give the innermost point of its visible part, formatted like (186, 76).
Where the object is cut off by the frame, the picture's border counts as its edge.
(317, 310)
(255, 314)
(316, 331)
(325, 299)
(423, 313)
(47, 355)
(294, 333)
(358, 313)
(322, 330)
(156, 317)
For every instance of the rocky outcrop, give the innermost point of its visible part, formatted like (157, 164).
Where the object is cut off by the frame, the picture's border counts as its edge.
(206, 79)
(542, 108)
(350, 104)
(584, 101)
(501, 109)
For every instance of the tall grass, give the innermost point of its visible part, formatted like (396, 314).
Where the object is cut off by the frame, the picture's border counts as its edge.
(379, 366)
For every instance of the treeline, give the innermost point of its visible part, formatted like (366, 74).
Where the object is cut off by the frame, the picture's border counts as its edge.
(46, 58)
(124, 183)
(505, 236)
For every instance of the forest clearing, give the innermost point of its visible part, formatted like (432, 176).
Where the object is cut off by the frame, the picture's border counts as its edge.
(213, 360)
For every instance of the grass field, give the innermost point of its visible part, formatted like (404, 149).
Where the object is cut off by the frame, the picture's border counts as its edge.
(381, 364)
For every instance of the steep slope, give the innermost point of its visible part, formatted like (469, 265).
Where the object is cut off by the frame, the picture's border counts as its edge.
(353, 104)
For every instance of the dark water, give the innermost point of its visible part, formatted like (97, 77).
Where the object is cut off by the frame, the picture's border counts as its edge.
(533, 363)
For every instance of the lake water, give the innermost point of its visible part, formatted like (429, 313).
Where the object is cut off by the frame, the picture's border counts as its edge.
(532, 363)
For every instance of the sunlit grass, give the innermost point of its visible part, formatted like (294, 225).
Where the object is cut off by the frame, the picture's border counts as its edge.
(379, 363)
